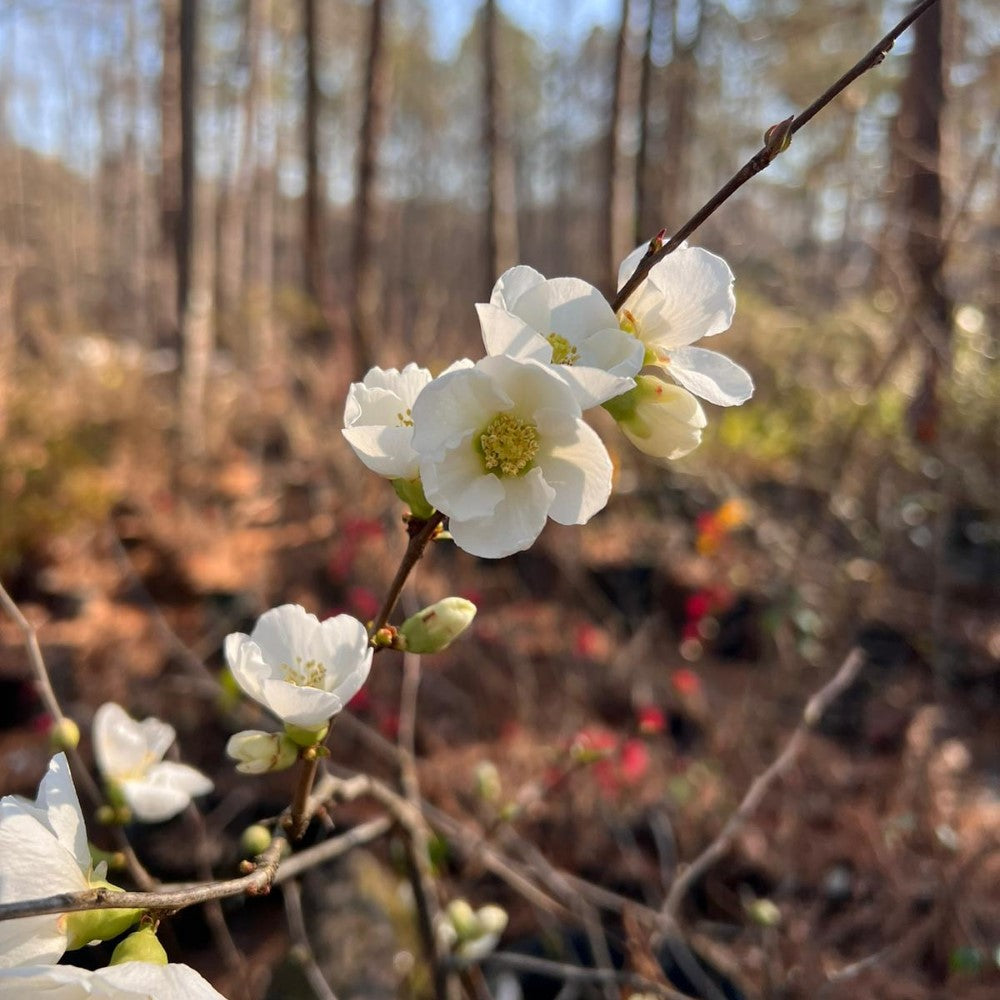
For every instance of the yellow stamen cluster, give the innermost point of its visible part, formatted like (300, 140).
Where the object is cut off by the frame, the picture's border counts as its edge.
(563, 352)
(308, 673)
(508, 445)
(405, 418)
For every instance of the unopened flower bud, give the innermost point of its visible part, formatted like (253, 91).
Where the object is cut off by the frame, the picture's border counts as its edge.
(411, 492)
(436, 627)
(488, 786)
(305, 736)
(140, 946)
(85, 926)
(64, 735)
(256, 839)
(257, 752)
(492, 919)
(462, 917)
(764, 913)
(661, 419)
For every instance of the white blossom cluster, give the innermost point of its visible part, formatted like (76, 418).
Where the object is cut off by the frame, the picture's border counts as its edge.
(500, 445)
(44, 851)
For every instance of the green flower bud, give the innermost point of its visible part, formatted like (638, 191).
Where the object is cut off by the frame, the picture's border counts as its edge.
(463, 919)
(303, 737)
(257, 752)
(85, 926)
(64, 735)
(411, 492)
(140, 946)
(488, 786)
(764, 913)
(663, 420)
(255, 840)
(436, 627)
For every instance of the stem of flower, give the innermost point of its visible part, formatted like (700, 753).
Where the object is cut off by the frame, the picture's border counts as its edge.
(775, 141)
(421, 532)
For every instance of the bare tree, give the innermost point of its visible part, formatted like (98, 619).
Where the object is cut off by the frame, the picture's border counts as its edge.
(368, 219)
(617, 231)
(501, 210)
(314, 230)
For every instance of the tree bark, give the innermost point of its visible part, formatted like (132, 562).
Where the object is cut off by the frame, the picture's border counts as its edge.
(368, 219)
(234, 202)
(171, 184)
(501, 197)
(313, 247)
(616, 228)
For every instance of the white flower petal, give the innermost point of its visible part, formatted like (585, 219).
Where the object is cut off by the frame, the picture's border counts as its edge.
(512, 284)
(457, 484)
(153, 803)
(451, 406)
(341, 644)
(301, 706)
(627, 267)
(591, 386)
(124, 746)
(515, 523)
(613, 351)
(686, 296)
(578, 468)
(505, 333)
(57, 797)
(387, 450)
(710, 375)
(576, 309)
(667, 422)
(283, 632)
(159, 982)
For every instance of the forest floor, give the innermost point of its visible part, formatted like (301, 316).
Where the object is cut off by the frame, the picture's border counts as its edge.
(676, 637)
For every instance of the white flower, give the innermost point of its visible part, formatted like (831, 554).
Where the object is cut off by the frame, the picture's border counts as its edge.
(686, 296)
(129, 981)
(503, 447)
(563, 322)
(377, 419)
(130, 756)
(660, 419)
(43, 851)
(302, 669)
(257, 752)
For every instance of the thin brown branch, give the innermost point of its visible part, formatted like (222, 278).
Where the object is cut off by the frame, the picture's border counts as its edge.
(761, 785)
(81, 775)
(421, 532)
(576, 974)
(775, 142)
(301, 948)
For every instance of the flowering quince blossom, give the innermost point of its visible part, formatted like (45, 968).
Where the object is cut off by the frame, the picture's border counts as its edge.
(300, 668)
(43, 851)
(378, 422)
(130, 756)
(502, 448)
(686, 296)
(660, 419)
(129, 981)
(563, 322)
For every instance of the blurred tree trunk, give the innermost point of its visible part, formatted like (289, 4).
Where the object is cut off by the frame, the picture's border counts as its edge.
(917, 139)
(501, 211)
(171, 189)
(645, 101)
(314, 229)
(234, 201)
(617, 230)
(682, 90)
(195, 253)
(366, 310)
(265, 348)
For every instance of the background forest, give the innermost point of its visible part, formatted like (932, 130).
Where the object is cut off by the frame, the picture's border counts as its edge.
(216, 215)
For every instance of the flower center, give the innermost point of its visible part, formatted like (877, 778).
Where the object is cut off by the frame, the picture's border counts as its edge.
(628, 323)
(563, 352)
(305, 673)
(508, 445)
(405, 418)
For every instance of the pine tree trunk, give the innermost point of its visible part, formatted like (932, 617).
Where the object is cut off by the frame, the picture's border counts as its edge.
(501, 211)
(366, 313)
